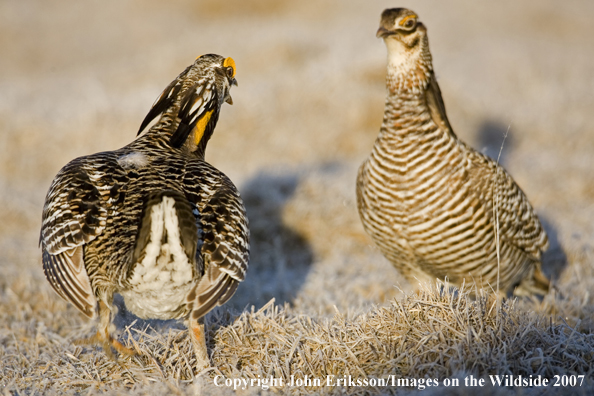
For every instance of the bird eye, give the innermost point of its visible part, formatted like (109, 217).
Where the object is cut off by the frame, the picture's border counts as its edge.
(229, 63)
(230, 72)
(409, 22)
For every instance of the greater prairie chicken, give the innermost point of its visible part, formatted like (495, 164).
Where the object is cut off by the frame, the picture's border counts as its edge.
(435, 207)
(152, 221)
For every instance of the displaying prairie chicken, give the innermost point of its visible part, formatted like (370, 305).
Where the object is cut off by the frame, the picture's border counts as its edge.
(152, 221)
(435, 207)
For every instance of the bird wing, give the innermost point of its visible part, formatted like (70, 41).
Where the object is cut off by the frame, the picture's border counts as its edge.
(436, 105)
(516, 220)
(518, 223)
(75, 213)
(225, 249)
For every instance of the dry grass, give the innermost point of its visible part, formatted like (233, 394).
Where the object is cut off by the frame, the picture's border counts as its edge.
(436, 333)
(78, 78)
(431, 334)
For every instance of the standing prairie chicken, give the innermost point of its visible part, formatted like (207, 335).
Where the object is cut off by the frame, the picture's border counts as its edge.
(435, 207)
(152, 221)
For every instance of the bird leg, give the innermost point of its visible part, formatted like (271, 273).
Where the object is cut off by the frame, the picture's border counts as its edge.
(196, 329)
(103, 338)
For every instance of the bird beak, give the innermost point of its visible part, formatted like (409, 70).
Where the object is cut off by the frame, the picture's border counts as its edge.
(383, 32)
(229, 99)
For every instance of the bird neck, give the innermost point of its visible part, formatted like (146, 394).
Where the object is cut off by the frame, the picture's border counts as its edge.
(405, 115)
(195, 144)
(197, 141)
(408, 72)
(407, 80)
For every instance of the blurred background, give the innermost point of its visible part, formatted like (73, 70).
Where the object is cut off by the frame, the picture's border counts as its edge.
(79, 77)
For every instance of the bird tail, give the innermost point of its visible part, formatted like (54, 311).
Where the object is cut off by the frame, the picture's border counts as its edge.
(538, 284)
(187, 227)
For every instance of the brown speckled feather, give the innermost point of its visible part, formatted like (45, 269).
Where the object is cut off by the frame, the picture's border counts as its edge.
(152, 221)
(435, 207)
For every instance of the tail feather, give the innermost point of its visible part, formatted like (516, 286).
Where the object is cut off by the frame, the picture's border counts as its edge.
(538, 284)
(187, 223)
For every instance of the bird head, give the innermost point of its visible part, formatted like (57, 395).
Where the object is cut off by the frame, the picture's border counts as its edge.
(188, 109)
(406, 39)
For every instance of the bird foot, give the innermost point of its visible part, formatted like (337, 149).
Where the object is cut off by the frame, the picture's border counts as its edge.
(107, 342)
(196, 329)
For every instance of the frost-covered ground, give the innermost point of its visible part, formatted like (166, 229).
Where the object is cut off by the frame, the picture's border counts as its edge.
(78, 77)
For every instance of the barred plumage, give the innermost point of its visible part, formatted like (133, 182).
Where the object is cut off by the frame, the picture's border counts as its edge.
(152, 221)
(434, 206)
